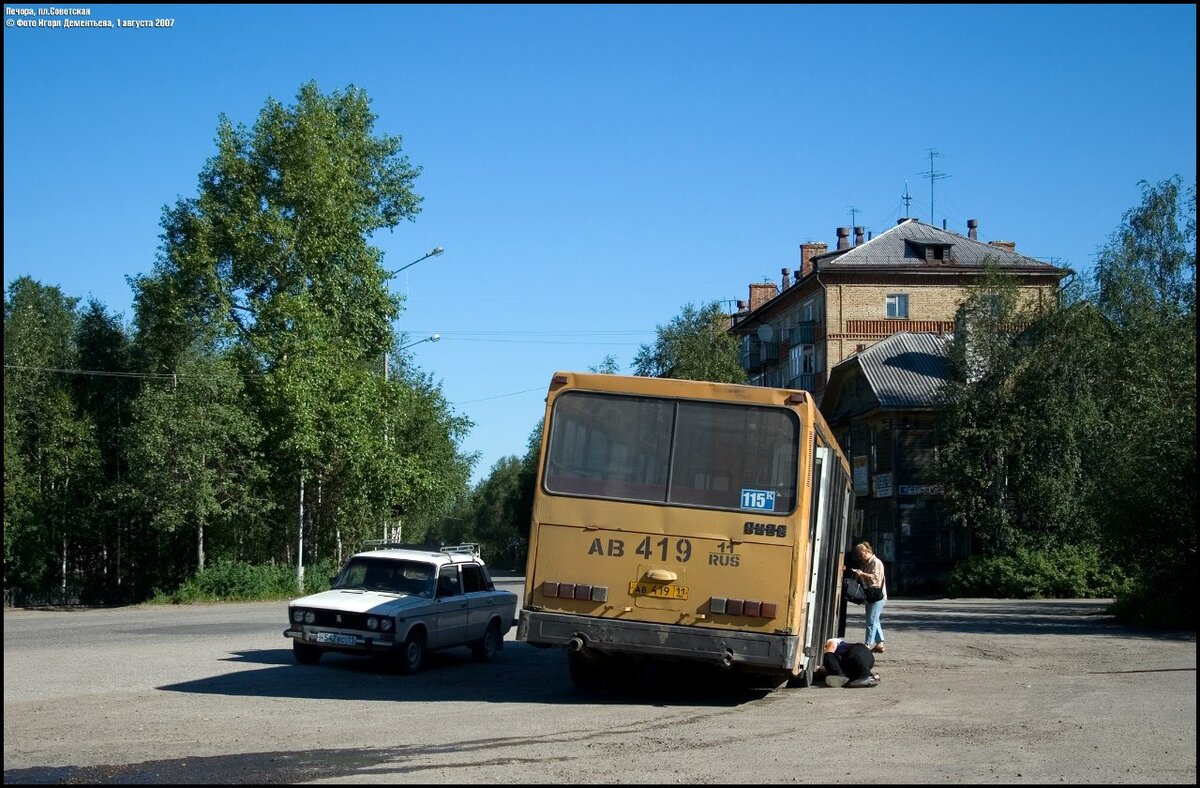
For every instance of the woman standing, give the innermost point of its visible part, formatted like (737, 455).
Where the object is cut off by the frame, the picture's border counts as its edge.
(872, 577)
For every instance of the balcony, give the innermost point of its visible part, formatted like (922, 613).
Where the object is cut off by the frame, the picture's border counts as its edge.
(804, 333)
(756, 354)
(887, 327)
(806, 382)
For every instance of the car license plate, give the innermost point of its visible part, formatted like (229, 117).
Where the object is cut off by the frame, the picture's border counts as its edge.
(334, 637)
(658, 590)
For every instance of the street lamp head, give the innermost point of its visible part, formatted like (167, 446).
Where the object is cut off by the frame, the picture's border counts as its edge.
(430, 338)
(434, 252)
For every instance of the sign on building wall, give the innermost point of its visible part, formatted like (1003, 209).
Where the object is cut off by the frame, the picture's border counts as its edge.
(920, 489)
(861, 487)
(883, 485)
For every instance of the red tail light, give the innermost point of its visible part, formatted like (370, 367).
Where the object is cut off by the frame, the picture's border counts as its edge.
(581, 591)
(742, 607)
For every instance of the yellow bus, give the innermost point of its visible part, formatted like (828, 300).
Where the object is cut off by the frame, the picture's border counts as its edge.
(683, 520)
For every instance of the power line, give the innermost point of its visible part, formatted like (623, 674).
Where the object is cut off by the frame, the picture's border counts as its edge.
(105, 373)
(499, 396)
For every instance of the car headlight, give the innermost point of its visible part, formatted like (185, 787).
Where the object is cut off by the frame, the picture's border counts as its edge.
(372, 623)
(309, 617)
(386, 625)
(297, 615)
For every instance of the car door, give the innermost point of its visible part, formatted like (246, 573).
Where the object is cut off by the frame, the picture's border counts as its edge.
(450, 608)
(480, 600)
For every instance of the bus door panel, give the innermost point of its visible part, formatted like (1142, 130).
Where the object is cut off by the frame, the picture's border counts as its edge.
(819, 548)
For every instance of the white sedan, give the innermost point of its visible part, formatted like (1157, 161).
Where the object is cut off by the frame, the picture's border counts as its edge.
(402, 601)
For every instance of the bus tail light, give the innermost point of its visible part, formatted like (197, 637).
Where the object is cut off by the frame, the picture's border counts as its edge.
(750, 608)
(580, 591)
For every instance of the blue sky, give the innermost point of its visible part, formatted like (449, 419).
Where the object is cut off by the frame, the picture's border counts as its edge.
(589, 170)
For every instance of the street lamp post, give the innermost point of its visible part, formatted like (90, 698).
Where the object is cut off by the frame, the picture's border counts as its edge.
(434, 252)
(430, 338)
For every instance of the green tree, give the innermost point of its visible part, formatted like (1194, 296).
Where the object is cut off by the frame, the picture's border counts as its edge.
(977, 433)
(52, 457)
(272, 262)
(193, 459)
(1146, 283)
(1076, 426)
(104, 392)
(695, 345)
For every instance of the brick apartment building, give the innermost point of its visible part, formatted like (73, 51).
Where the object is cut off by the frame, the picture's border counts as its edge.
(909, 280)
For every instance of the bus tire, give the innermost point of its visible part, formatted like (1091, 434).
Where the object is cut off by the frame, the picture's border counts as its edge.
(587, 672)
(805, 679)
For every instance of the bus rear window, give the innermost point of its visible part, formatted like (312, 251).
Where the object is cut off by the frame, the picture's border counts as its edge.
(684, 452)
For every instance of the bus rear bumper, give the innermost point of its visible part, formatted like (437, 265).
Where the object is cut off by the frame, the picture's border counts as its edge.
(729, 648)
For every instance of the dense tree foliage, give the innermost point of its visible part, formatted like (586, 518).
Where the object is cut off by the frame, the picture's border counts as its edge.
(1076, 426)
(52, 468)
(247, 416)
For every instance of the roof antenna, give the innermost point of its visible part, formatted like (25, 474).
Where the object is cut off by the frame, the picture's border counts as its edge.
(933, 176)
(853, 213)
(906, 198)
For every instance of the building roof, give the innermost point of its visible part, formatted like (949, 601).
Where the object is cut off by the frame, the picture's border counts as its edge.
(904, 372)
(901, 246)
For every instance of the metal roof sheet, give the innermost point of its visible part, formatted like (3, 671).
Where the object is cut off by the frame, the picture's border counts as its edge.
(907, 369)
(895, 246)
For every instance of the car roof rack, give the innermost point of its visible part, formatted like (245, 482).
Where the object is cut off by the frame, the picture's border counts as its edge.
(387, 544)
(468, 548)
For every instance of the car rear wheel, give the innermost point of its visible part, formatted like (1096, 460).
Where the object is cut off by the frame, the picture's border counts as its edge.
(487, 646)
(305, 654)
(412, 655)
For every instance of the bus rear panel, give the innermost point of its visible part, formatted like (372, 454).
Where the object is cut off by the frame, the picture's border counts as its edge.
(684, 520)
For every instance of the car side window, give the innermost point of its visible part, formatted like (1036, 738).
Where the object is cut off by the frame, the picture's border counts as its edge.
(448, 583)
(473, 579)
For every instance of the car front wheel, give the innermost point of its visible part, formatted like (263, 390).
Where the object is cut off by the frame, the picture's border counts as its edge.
(305, 654)
(412, 655)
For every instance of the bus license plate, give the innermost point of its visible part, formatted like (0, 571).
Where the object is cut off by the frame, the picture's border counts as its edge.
(658, 590)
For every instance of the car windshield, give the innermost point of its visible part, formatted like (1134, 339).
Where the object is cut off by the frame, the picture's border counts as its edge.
(414, 578)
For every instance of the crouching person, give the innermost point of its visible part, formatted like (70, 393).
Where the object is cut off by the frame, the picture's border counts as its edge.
(847, 664)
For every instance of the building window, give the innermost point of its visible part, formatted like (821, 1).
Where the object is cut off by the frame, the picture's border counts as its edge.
(897, 305)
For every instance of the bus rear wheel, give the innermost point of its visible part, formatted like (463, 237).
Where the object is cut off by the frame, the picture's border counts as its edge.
(805, 679)
(588, 671)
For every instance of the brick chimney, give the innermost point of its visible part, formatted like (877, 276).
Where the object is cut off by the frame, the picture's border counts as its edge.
(1009, 245)
(761, 293)
(973, 229)
(843, 236)
(858, 235)
(787, 279)
(807, 252)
